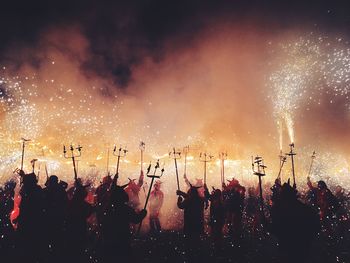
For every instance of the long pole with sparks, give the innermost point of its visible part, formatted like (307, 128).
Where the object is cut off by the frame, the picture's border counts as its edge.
(176, 155)
(313, 156)
(150, 187)
(283, 159)
(33, 164)
(107, 165)
(23, 146)
(205, 158)
(292, 154)
(121, 153)
(223, 157)
(142, 150)
(46, 171)
(258, 168)
(73, 156)
(185, 151)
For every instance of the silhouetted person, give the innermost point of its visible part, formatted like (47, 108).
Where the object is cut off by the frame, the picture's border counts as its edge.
(217, 216)
(294, 224)
(133, 190)
(193, 205)
(116, 233)
(234, 195)
(327, 204)
(56, 202)
(276, 190)
(30, 220)
(78, 212)
(155, 204)
(311, 194)
(102, 197)
(7, 194)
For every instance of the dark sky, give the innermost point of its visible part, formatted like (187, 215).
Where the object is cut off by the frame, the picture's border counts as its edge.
(143, 26)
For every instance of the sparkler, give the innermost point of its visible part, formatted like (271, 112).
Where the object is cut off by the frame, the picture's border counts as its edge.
(312, 67)
(223, 157)
(205, 158)
(176, 155)
(72, 156)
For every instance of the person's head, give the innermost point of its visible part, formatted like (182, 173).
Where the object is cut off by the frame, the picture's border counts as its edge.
(339, 190)
(321, 185)
(199, 182)
(288, 193)
(107, 180)
(232, 183)
(29, 180)
(193, 192)
(10, 185)
(216, 194)
(278, 182)
(63, 184)
(52, 181)
(251, 191)
(157, 185)
(132, 186)
(80, 192)
(118, 195)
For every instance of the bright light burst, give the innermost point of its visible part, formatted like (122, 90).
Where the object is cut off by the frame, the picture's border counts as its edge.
(307, 70)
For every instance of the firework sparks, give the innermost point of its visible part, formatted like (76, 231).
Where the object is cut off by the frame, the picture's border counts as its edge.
(310, 68)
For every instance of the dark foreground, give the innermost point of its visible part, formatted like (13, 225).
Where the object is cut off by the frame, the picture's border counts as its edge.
(169, 247)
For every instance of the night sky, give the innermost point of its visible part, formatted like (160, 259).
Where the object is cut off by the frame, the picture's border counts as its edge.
(145, 26)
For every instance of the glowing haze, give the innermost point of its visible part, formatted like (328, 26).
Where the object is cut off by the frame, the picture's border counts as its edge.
(225, 90)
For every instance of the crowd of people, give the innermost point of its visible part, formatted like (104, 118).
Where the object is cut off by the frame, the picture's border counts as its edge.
(57, 223)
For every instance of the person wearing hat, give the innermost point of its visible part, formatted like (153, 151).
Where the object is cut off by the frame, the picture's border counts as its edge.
(155, 204)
